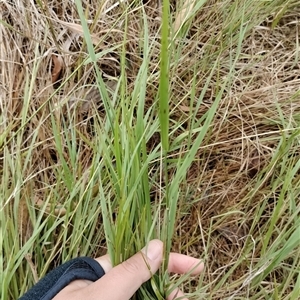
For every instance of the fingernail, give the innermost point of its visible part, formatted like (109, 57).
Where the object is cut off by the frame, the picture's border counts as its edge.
(153, 250)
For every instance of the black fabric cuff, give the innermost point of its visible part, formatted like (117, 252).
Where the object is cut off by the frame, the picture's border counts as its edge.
(50, 285)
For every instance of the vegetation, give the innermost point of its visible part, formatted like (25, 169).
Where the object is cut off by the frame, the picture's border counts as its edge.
(114, 132)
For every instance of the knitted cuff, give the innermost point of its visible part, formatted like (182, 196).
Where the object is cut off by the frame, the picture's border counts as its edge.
(78, 268)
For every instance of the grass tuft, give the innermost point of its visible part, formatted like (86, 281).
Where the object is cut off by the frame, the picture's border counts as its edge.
(123, 122)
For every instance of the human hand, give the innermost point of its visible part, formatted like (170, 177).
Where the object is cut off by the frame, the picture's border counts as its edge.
(122, 281)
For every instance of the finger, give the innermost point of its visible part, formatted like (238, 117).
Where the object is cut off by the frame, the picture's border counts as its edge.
(182, 264)
(122, 281)
(177, 294)
(105, 262)
(178, 263)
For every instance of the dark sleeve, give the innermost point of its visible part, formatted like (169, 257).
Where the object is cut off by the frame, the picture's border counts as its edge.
(78, 268)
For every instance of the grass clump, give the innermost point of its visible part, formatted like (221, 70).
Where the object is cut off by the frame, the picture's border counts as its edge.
(125, 122)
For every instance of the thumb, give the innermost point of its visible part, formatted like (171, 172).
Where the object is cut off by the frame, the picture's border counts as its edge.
(124, 280)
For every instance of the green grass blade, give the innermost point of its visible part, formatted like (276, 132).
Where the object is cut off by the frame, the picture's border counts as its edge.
(164, 78)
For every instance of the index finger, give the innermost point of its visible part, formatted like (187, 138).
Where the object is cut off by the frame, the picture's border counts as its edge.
(182, 264)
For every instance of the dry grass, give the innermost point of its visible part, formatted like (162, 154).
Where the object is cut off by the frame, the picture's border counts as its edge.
(236, 180)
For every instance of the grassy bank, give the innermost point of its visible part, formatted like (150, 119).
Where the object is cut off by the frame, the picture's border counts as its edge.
(83, 170)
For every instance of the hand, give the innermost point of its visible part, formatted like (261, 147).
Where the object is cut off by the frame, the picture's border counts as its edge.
(122, 281)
